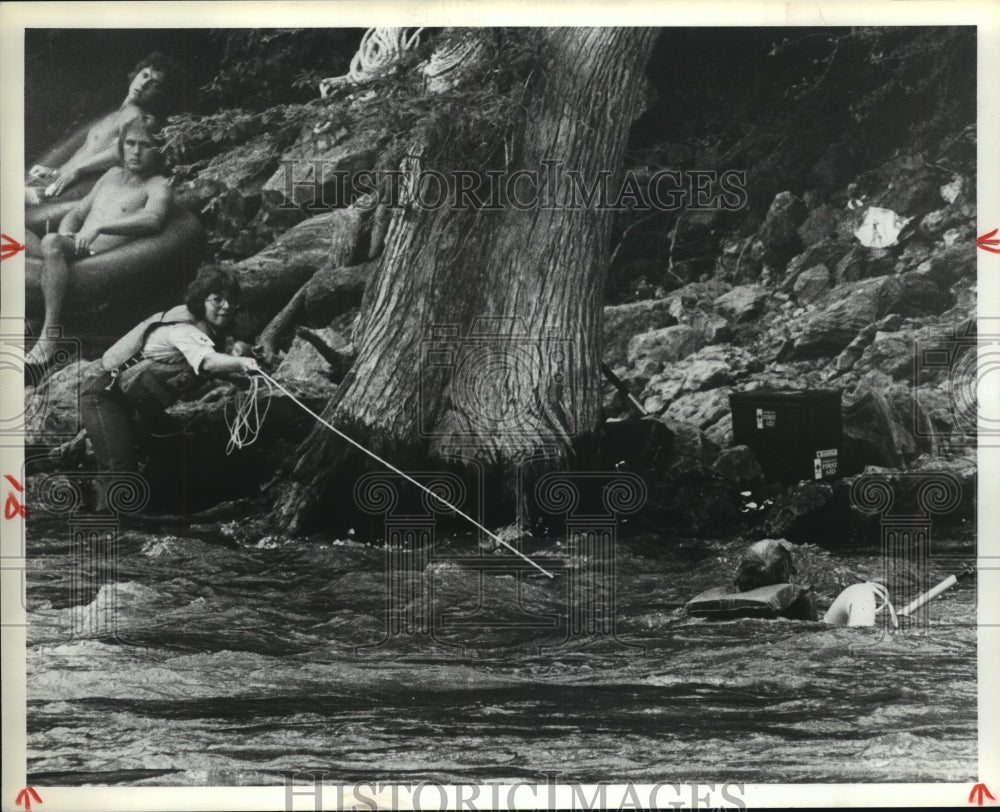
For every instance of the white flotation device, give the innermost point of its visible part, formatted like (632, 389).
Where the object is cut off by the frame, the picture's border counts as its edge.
(858, 605)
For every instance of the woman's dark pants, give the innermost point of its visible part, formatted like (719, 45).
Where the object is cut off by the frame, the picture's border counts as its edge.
(108, 417)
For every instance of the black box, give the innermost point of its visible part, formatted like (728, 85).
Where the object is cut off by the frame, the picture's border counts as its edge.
(795, 435)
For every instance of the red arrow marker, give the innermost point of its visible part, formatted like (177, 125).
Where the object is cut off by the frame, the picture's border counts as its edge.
(24, 798)
(978, 791)
(9, 247)
(986, 243)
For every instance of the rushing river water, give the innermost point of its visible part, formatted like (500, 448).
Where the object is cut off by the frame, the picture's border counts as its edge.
(236, 662)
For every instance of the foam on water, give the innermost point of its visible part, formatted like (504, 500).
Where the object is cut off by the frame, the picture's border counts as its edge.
(228, 665)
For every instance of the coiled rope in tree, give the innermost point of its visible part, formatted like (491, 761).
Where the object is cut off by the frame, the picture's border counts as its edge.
(379, 50)
(439, 70)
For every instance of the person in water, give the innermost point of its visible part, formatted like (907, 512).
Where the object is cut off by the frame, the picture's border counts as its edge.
(147, 91)
(129, 201)
(155, 364)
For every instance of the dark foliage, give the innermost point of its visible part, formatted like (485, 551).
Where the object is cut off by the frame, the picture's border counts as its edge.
(264, 67)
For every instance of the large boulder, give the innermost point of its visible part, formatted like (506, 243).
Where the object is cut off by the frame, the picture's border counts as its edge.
(811, 284)
(826, 252)
(622, 322)
(890, 424)
(778, 233)
(742, 303)
(820, 225)
(847, 309)
(809, 511)
(311, 172)
(739, 466)
(52, 408)
(863, 263)
(914, 190)
(700, 408)
(666, 345)
(949, 264)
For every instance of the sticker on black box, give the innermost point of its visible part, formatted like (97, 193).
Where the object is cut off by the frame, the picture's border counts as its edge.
(825, 463)
(766, 418)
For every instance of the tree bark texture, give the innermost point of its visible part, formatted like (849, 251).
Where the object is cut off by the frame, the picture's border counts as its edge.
(479, 336)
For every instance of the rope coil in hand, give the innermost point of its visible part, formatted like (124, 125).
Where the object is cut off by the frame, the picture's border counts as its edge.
(245, 424)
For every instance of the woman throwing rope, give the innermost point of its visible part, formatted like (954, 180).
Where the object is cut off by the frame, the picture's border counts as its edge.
(155, 364)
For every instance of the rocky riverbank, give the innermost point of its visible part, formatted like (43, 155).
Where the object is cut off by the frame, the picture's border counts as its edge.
(861, 277)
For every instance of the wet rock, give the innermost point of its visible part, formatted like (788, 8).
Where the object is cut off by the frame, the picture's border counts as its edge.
(739, 466)
(742, 303)
(665, 345)
(811, 284)
(809, 511)
(622, 322)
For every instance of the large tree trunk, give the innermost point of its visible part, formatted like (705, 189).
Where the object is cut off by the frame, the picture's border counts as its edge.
(479, 335)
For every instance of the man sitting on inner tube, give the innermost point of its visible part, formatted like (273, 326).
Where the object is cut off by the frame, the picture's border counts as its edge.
(147, 90)
(127, 202)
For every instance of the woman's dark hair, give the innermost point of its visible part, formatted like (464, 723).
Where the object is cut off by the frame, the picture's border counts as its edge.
(211, 280)
(164, 100)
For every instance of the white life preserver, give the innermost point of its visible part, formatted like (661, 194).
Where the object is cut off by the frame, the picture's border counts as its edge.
(858, 606)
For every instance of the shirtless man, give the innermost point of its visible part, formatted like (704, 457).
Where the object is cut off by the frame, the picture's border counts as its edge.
(127, 202)
(146, 90)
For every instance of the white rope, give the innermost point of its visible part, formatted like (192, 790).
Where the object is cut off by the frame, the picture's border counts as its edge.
(405, 476)
(880, 591)
(380, 48)
(244, 426)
